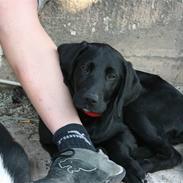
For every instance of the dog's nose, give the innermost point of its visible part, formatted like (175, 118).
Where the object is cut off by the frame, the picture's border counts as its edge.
(91, 98)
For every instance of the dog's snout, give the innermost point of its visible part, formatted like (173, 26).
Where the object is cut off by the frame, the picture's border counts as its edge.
(91, 98)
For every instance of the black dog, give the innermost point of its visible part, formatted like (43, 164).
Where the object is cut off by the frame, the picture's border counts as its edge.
(134, 116)
(14, 163)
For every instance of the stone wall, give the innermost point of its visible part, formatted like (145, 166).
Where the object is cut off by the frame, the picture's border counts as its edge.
(149, 33)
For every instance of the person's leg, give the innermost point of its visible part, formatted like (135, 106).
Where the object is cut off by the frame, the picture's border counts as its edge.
(34, 59)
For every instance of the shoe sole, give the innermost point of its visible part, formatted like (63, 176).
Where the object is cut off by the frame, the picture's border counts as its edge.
(117, 178)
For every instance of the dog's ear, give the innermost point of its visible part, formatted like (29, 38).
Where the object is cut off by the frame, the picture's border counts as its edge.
(129, 89)
(67, 56)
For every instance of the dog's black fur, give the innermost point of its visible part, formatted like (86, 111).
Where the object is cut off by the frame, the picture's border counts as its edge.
(142, 115)
(14, 157)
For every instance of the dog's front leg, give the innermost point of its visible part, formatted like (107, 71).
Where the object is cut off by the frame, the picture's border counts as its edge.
(119, 150)
(165, 156)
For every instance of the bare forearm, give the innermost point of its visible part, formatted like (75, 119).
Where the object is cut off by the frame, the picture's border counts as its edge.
(33, 57)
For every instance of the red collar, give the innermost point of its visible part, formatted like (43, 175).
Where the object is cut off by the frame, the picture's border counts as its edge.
(92, 114)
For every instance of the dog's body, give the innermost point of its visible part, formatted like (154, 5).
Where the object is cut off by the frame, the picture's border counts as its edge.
(138, 116)
(14, 164)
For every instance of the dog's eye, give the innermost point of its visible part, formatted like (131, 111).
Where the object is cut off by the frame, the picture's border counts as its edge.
(111, 76)
(86, 68)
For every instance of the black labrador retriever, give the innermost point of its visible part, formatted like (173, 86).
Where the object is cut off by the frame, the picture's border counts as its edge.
(135, 116)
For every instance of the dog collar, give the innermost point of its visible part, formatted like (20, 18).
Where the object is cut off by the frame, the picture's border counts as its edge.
(93, 114)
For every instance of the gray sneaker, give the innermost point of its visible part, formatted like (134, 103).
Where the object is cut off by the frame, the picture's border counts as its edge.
(83, 166)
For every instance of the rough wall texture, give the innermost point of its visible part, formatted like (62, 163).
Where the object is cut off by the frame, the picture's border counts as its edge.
(149, 33)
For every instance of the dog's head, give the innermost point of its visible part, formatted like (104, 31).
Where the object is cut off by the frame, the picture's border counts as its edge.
(100, 80)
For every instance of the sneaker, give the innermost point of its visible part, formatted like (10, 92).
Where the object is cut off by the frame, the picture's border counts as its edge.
(83, 166)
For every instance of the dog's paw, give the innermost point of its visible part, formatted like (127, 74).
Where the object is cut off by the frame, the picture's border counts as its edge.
(135, 175)
(149, 178)
(134, 179)
(146, 164)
